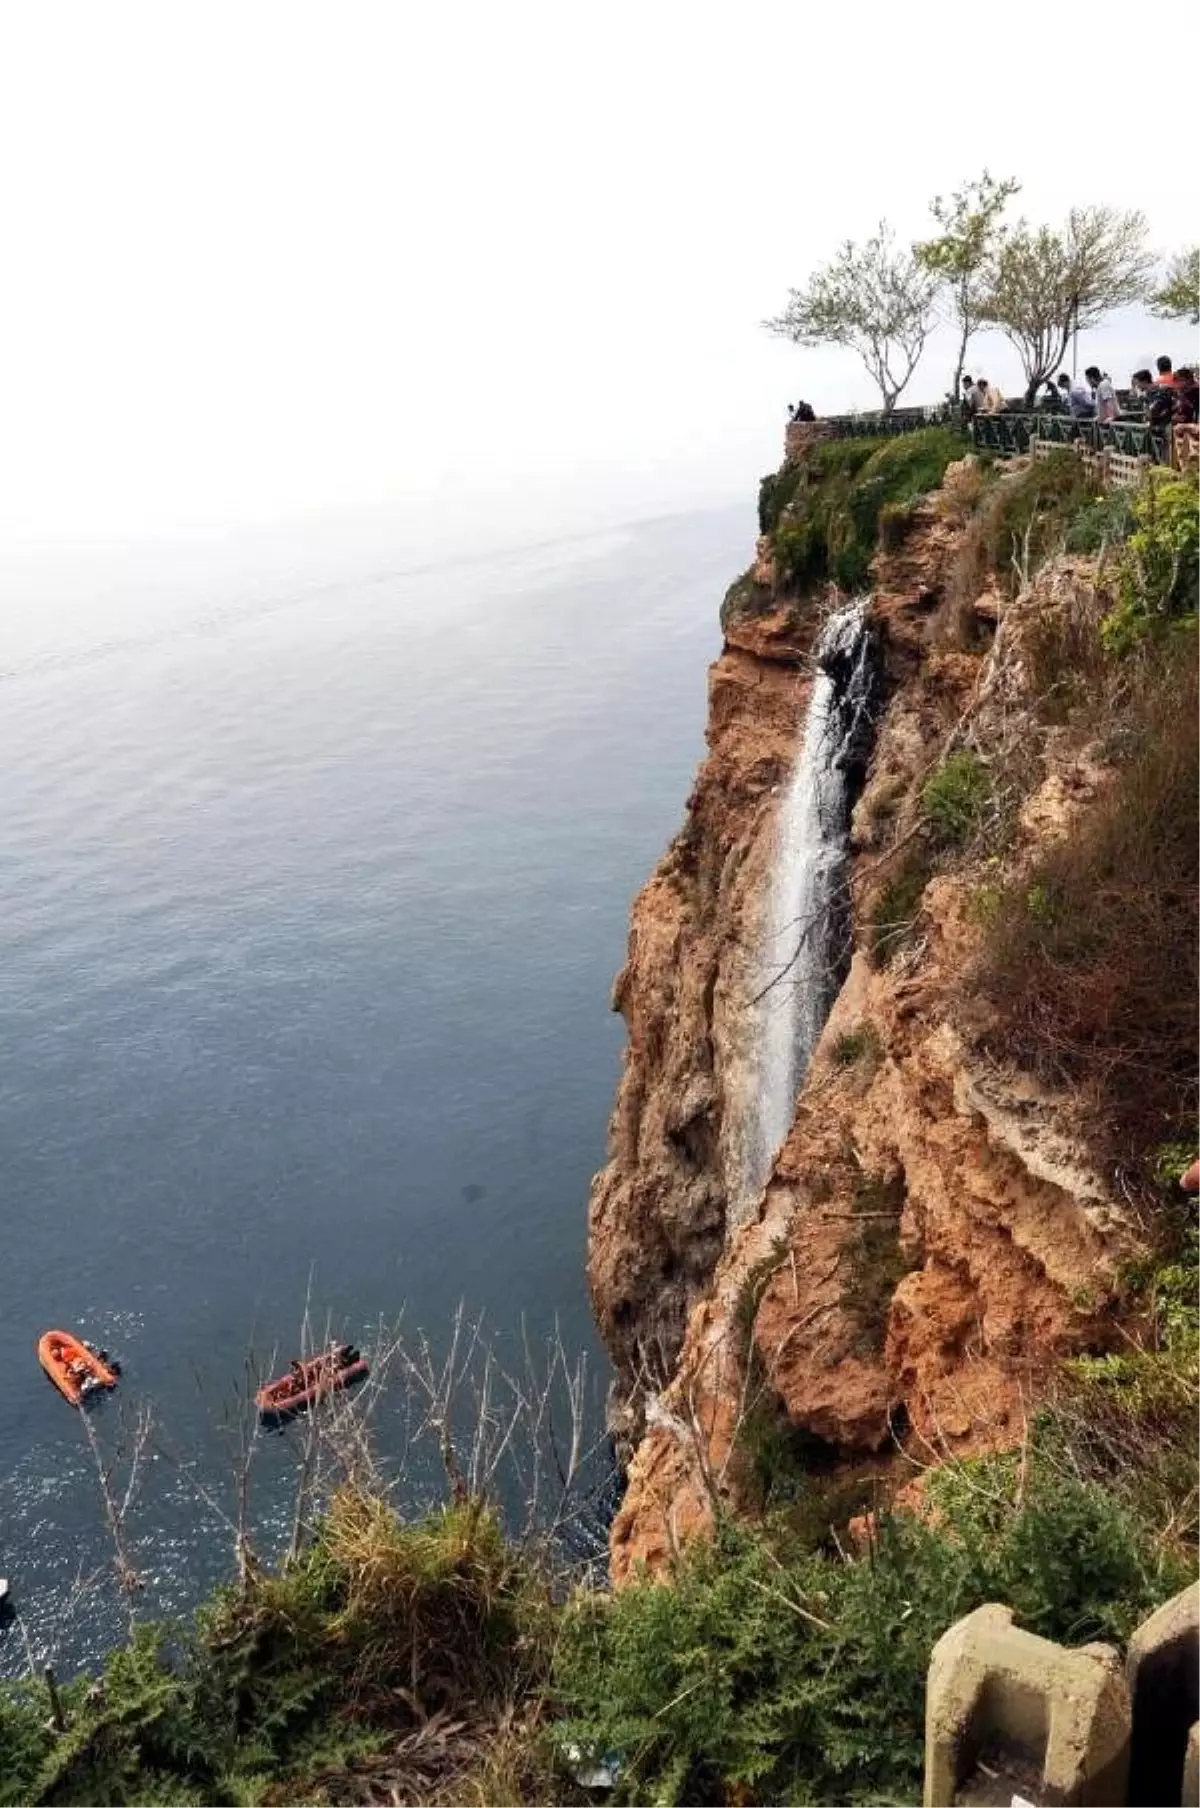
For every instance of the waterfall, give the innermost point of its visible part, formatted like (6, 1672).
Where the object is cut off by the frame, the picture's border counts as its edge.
(803, 943)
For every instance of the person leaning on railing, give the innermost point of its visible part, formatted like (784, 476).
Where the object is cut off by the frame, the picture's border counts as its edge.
(1104, 396)
(1078, 397)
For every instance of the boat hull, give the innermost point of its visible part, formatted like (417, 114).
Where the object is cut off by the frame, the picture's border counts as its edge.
(69, 1362)
(279, 1400)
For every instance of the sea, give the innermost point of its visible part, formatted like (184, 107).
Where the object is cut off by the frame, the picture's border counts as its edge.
(312, 893)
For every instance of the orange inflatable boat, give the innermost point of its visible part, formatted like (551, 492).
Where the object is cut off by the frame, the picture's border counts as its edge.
(75, 1368)
(335, 1368)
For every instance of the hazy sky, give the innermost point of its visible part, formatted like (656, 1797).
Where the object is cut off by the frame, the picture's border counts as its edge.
(268, 259)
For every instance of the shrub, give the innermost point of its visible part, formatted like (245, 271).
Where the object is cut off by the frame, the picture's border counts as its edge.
(765, 1671)
(956, 798)
(1104, 520)
(379, 1625)
(859, 1044)
(1160, 570)
(1027, 516)
(832, 525)
(774, 493)
(1090, 964)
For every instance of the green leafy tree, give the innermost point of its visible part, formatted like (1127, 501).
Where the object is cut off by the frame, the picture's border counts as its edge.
(1046, 284)
(961, 255)
(1178, 295)
(877, 299)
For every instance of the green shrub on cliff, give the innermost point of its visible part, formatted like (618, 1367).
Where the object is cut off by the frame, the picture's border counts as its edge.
(1029, 514)
(841, 497)
(378, 1628)
(1159, 573)
(956, 797)
(427, 1662)
(767, 1671)
(774, 493)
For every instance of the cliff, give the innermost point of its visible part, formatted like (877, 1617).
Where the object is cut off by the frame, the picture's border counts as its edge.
(945, 1221)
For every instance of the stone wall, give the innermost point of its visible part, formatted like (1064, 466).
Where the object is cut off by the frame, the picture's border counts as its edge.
(800, 435)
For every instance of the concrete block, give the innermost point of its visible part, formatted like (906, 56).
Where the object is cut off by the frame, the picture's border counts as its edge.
(1008, 1713)
(1189, 1795)
(1163, 1673)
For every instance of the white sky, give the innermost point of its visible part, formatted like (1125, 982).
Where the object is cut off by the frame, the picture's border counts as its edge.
(266, 260)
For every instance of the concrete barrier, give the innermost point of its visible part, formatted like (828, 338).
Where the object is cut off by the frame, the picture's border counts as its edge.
(1163, 1673)
(1010, 1714)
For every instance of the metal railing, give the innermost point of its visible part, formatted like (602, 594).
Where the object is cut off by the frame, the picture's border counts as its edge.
(1010, 434)
(886, 426)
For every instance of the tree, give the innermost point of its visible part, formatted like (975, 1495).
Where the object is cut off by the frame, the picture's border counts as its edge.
(1178, 295)
(873, 298)
(962, 253)
(1047, 284)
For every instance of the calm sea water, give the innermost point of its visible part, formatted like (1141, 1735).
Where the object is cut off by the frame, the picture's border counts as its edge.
(311, 904)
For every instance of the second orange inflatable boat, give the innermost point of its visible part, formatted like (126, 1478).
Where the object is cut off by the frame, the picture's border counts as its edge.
(74, 1367)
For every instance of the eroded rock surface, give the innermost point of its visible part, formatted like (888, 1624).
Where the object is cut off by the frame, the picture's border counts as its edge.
(933, 1235)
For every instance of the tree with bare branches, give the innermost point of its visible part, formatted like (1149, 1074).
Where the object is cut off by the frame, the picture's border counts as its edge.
(961, 255)
(1047, 284)
(877, 299)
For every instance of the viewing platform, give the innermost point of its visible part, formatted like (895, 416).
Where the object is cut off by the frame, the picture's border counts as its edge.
(1119, 450)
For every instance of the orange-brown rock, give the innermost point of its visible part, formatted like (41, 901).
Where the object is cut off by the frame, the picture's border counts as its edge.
(933, 1236)
(660, 1209)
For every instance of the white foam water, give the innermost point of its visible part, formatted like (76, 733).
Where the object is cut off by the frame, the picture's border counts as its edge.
(797, 972)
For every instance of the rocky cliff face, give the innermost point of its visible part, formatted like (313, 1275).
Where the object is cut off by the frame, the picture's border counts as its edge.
(934, 1232)
(664, 1208)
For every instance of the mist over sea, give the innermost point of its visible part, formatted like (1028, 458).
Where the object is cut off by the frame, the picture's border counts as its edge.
(312, 897)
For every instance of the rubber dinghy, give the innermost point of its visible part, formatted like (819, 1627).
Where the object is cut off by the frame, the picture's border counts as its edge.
(309, 1381)
(76, 1369)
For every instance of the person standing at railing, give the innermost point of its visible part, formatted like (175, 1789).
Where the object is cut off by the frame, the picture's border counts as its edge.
(993, 401)
(1166, 376)
(974, 396)
(1104, 395)
(1078, 397)
(1185, 403)
(1185, 408)
(1142, 384)
(1161, 401)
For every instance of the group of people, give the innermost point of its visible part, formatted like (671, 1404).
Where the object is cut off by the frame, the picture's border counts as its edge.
(1168, 399)
(981, 397)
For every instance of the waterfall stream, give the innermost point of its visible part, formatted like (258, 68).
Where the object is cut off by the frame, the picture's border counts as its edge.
(803, 943)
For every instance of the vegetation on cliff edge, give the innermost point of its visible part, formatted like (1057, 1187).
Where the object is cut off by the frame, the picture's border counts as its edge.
(827, 528)
(434, 1661)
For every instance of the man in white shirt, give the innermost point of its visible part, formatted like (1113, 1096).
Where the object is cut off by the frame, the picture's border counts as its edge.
(1105, 395)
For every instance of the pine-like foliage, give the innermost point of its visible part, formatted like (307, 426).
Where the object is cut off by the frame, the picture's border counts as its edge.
(763, 1671)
